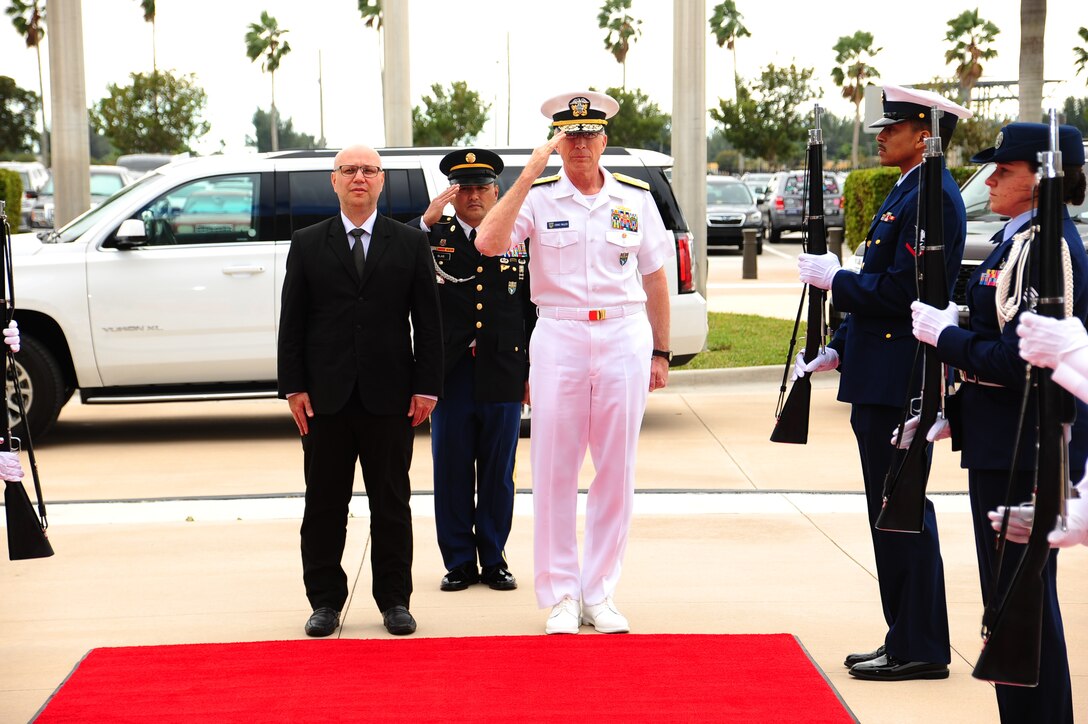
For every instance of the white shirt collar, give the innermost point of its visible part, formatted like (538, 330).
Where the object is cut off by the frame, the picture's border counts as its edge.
(367, 226)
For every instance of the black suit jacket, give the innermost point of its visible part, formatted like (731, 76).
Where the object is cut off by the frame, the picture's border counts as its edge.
(382, 332)
(491, 307)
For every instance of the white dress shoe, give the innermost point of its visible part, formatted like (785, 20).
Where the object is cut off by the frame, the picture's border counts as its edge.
(605, 617)
(563, 618)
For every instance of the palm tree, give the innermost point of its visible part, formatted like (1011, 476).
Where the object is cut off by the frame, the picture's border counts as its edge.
(1080, 54)
(853, 53)
(970, 35)
(726, 24)
(1032, 22)
(149, 16)
(264, 39)
(29, 22)
(622, 30)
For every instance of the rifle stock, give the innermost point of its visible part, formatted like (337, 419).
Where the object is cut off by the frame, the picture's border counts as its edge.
(26, 534)
(791, 425)
(1012, 626)
(903, 509)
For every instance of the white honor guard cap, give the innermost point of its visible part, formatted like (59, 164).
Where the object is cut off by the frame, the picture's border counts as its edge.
(904, 104)
(581, 111)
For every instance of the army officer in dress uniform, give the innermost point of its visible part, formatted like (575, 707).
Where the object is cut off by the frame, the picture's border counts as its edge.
(874, 351)
(486, 320)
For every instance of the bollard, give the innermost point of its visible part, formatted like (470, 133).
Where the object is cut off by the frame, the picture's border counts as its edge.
(748, 267)
(834, 241)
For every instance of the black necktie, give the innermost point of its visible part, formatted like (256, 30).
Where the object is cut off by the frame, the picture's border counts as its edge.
(357, 251)
(472, 236)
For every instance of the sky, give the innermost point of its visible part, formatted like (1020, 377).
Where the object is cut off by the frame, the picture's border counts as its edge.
(554, 47)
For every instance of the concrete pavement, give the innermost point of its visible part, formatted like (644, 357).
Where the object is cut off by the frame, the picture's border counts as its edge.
(179, 523)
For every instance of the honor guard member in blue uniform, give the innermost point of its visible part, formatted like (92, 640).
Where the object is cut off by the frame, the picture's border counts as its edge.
(874, 351)
(487, 319)
(987, 358)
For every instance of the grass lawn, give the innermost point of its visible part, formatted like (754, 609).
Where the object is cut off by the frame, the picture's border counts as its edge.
(745, 340)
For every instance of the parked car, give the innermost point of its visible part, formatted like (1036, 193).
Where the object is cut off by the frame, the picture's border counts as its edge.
(757, 184)
(105, 182)
(140, 163)
(169, 290)
(786, 202)
(33, 175)
(730, 209)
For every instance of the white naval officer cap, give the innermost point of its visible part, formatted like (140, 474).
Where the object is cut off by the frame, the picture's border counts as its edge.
(580, 111)
(904, 104)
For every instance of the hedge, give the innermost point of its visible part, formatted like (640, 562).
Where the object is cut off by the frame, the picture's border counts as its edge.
(11, 191)
(864, 192)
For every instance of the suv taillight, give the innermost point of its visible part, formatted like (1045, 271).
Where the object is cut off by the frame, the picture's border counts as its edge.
(685, 280)
(779, 203)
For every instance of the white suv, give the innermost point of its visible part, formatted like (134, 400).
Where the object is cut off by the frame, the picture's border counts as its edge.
(182, 302)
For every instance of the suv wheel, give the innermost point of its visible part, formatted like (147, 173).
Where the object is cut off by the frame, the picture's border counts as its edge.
(41, 385)
(776, 235)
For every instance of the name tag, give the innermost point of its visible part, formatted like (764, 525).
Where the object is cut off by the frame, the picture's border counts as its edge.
(558, 224)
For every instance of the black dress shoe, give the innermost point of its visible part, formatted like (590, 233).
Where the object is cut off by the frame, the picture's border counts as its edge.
(889, 668)
(854, 659)
(398, 621)
(499, 578)
(322, 622)
(460, 578)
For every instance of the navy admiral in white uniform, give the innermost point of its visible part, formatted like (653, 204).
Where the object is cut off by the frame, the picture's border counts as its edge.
(598, 250)
(487, 319)
(874, 350)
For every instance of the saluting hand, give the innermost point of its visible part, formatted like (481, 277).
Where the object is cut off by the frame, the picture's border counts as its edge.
(539, 158)
(438, 205)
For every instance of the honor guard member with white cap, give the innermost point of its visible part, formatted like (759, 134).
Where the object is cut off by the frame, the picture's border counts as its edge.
(987, 358)
(597, 249)
(874, 350)
(487, 319)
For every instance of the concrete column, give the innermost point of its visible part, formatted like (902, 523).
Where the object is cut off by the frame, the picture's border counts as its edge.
(689, 124)
(68, 98)
(397, 76)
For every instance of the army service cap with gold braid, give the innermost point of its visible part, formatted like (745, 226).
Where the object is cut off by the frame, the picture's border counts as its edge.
(471, 166)
(906, 104)
(581, 111)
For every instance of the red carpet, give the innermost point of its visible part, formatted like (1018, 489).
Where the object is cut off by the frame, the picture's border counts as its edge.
(632, 678)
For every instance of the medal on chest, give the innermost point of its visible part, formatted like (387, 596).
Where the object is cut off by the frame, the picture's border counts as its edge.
(624, 219)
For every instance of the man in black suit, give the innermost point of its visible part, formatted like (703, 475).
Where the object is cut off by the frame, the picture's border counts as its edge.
(487, 319)
(358, 378)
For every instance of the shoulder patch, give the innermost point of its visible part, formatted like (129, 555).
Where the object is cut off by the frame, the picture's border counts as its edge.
(444, 219)
(631, 181)
(546, 180)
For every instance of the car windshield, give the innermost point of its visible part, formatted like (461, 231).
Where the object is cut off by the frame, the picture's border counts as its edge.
(105, 184)
(719, 193)
(77, 226)
(976, 197)
(795, 185)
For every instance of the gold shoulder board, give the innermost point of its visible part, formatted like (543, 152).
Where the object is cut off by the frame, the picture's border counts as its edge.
(546, 180)
(630, 181)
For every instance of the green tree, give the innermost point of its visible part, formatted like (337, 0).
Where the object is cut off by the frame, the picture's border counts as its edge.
(838, 132)
(622, 30)
(371, 10)
(853, 55)
(727, 25)
(764, 120)
(266, 39)
(156, 113)
(148, 7)
(17, 109)
(289, 137)
(971, 36)
(449, 118)
(1080, 52)
(29, 21)
(640, 123)
(1075, 113)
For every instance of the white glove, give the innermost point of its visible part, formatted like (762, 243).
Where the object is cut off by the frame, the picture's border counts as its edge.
(1022, 516)
(929, 321)
(1045, 341)
(818, 270)
(11, 335)
(1020, 520)
(827, 359)
(10, 467)
(939, 430)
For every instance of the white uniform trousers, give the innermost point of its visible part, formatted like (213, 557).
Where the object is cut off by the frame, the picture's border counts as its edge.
(589, 382)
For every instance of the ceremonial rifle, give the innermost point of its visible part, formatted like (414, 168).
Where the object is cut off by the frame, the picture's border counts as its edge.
(1012, 626)
(26, 531)
(904, 504)
(791, 424)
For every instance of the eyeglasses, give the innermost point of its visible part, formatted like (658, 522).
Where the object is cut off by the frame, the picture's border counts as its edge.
(367, 171)
(583, 135)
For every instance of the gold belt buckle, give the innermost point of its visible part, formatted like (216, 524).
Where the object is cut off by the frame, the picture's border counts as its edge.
(596, 315)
